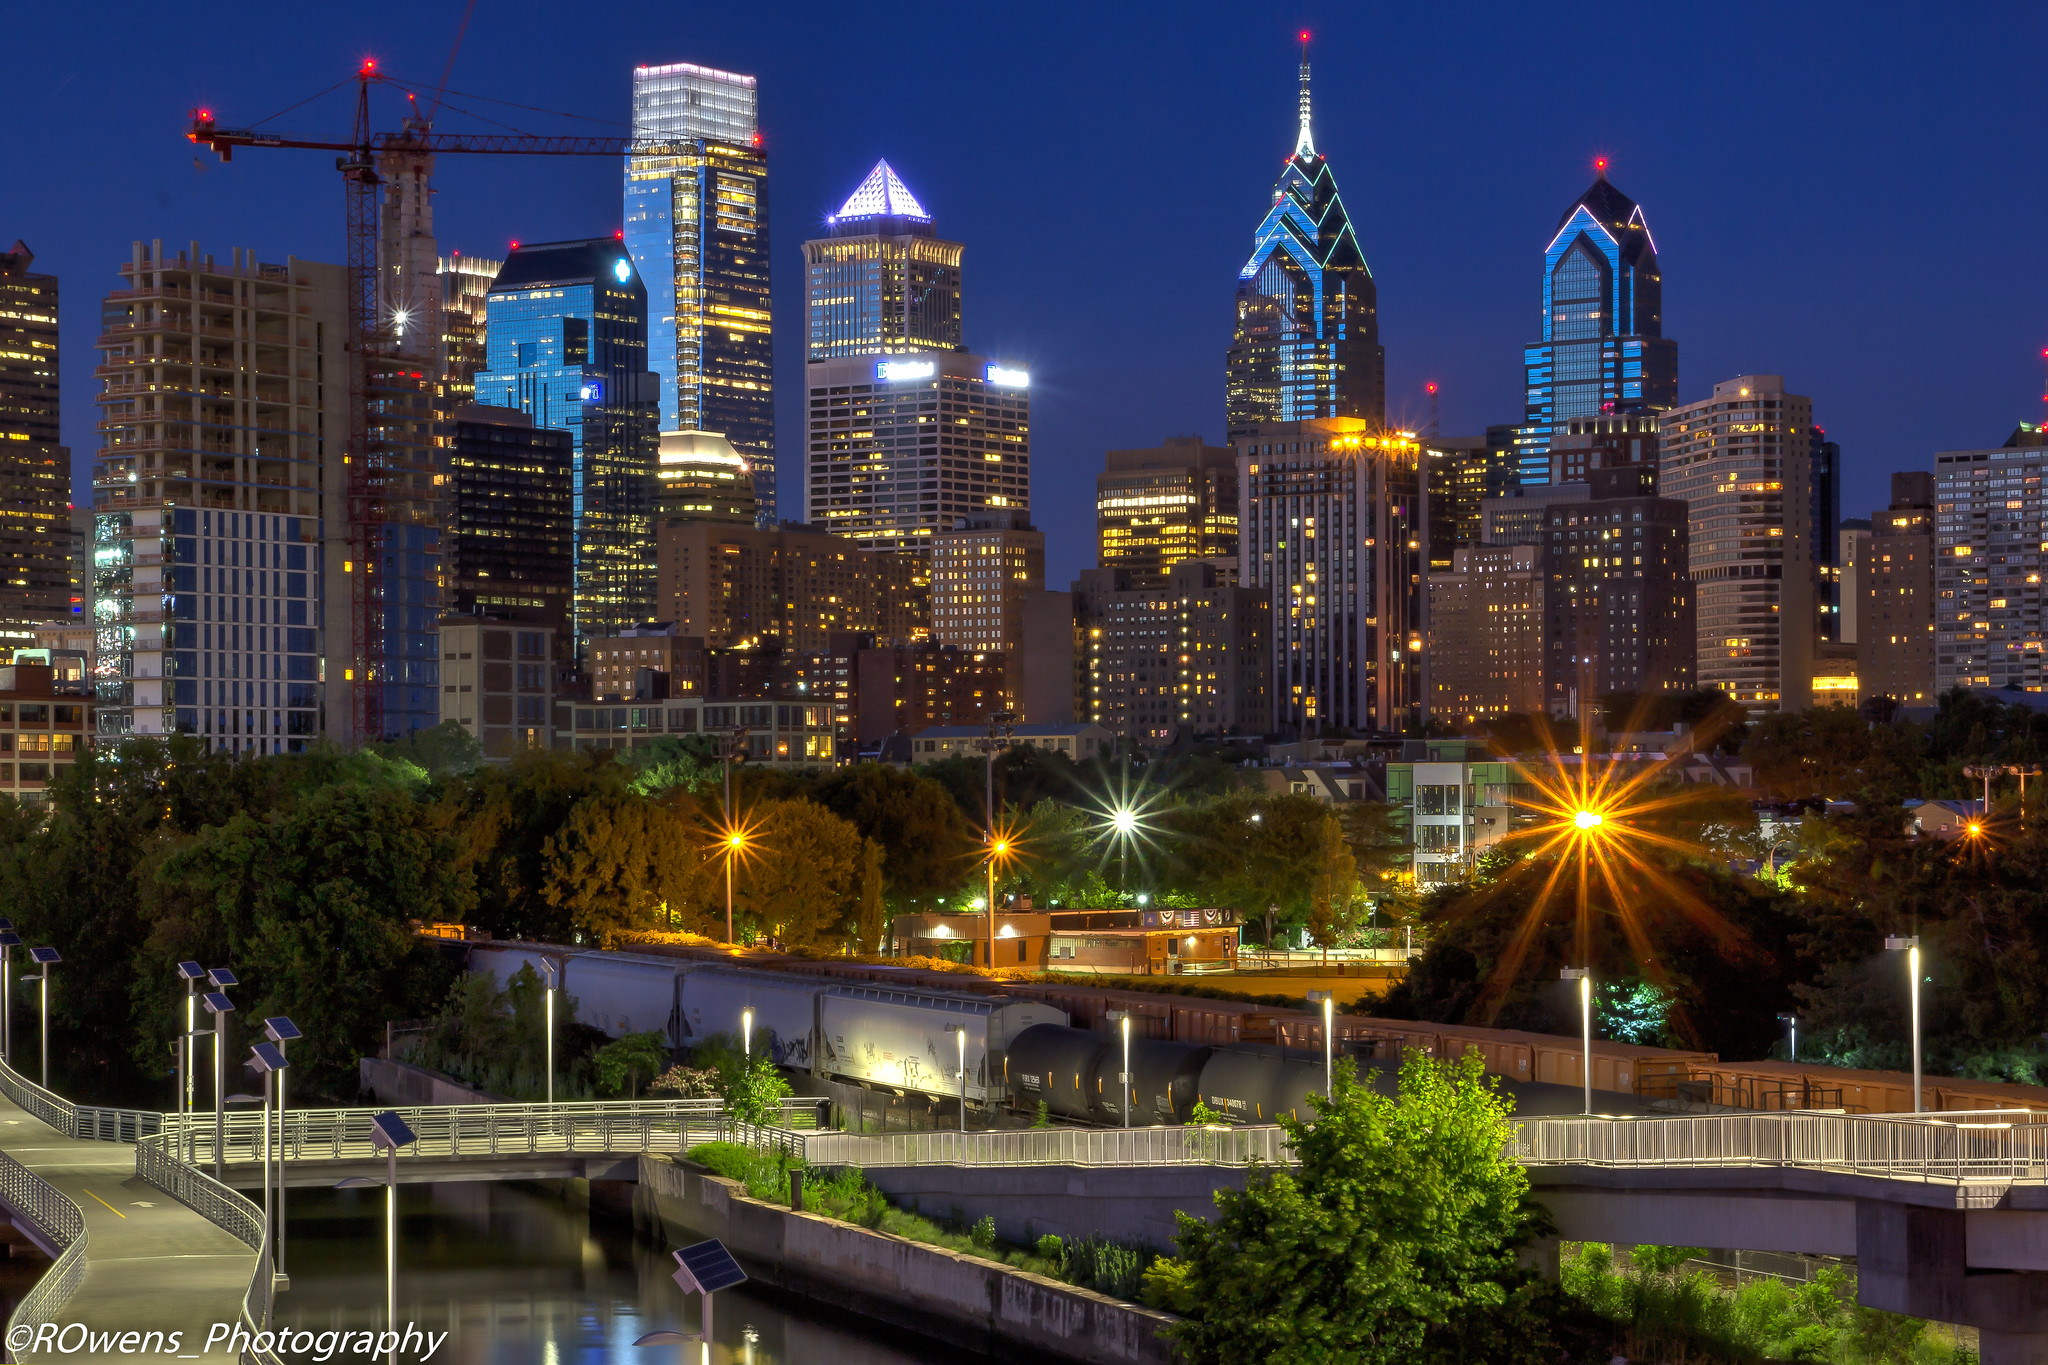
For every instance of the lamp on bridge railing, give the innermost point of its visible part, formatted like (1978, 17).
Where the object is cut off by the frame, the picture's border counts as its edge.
(1911, 944)
(387, 1134)
(45, 958)
(553, 970)
(1584, 976)
(280, 1030)
(220, 1007)
(191, 973)
(268, 1058)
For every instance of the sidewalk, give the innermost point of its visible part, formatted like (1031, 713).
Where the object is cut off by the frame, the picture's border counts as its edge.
(152, 1265)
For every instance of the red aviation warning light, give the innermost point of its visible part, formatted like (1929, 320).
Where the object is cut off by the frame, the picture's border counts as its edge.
(1600, 164)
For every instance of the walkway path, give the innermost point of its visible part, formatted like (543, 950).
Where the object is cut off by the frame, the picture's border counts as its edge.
(152, 1265)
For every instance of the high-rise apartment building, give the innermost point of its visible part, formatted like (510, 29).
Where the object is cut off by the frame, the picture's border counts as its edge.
(1618, 600)
(984, 570)
(1475, 468)
(35, 466)
(1825, 498)
(465, 293)
(1486, 626)
(1156, 508)
(510, 539)
(1306, 342)
(1182, 657)
(1741, 462)
(881, 281)
(901, 447)
(1331, 530)
(1990, 521)
(700, 477)
(1603, 351)
(1580, 446)
(1852, 547)
(223, 436)
(696, 211)
(737, 587)
(903, 689)
(567, 343)
(1895, 634)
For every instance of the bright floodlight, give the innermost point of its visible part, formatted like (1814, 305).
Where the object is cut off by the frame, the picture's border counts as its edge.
(1587, 819)
(1125, 820)
(1976, 828)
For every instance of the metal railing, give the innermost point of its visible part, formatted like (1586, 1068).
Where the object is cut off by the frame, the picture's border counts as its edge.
(156, 1161)
(89, 1122)
(1052, 1147)
(62, 1225)
(2001, 1146)
(481, 1131)
(45, 1105)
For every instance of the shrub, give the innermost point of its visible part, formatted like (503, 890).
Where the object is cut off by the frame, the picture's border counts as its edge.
(983, 1233)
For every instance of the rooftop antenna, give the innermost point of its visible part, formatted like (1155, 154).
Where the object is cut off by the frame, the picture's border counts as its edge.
(1304, 145)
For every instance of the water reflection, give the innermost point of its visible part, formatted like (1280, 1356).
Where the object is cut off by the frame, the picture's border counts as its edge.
(514, 1275)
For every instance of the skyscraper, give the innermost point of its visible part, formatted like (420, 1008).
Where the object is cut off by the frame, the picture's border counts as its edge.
(1603, 350)
(700, 477)
(1184, 655)
(1486, 632)
(1331, 531)
(1618, 604)
(1155, 508)
(567, 339)
(465, 289)
(881, 282)
(1307, 337)
(985, 571)
(1990, 521)
(509, 540)
(35, 468)
(696, 212)
(1740, 461)
(1895, 580)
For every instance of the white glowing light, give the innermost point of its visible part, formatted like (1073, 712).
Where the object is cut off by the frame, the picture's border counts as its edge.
(897, 371)
(1003, 377)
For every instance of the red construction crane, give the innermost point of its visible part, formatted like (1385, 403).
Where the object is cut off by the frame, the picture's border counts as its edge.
(370, 463)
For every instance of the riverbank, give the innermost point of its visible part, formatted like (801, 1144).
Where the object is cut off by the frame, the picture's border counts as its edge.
(1007, 1314)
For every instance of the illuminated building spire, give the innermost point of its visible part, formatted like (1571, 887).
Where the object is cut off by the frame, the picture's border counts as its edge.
(1304, 145)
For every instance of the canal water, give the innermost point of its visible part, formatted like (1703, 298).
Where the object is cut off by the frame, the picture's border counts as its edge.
(514, 1275)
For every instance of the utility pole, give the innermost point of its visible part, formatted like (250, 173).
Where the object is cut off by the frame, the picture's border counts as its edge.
(1001, 726)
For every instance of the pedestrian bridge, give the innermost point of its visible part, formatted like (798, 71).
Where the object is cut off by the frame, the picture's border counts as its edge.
(1946, 1213)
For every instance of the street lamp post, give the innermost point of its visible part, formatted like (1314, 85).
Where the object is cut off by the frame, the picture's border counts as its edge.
(702, 1269)
(220, 1007)
(959, 1032)
(387, 1134)
(1001, 726)
(552, 968)
(1911, 944)
(268, 1059)
(45, 958)
(1792, 1023)
(192, 974)
(1329, 1068)
(9, 940)
(1584, 976)
(747, 1034)
(280, 1030)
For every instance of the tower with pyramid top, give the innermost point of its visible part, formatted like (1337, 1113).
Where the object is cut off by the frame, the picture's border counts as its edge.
(881, 281)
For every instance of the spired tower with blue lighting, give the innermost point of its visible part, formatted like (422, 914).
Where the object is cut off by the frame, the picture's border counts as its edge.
(567, 344)
(1307, 337)
(1603, 351)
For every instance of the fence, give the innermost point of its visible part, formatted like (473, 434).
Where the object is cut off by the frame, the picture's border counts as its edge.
(480, 1130)
(1993, 1145)
(73, 1120)
(157, 1162)
(1052, 1147)
(37, 1201)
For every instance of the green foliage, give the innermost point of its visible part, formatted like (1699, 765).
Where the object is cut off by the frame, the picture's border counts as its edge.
(925, 840)
(1393, 1240)
(873, 922)
(688, 762)
(755, 1093)
(1113, 1268)
(1051, 1250)
(983, 1233)
(624, 1062)
(1201, 1116)
(619, 863)
(685, 1083)
(803, 881)
(1168, 1286)
(445, 750)
(495, 1038)
(1043, 1118)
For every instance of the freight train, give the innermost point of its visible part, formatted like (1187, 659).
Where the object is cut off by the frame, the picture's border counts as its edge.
(912, 1040)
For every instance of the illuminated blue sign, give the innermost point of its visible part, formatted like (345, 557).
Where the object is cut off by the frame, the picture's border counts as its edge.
(592, 391)
(1003, 377)
(623, 270)
(896, 371)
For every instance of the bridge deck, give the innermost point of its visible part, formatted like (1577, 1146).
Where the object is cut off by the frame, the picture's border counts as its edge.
(151, 1263)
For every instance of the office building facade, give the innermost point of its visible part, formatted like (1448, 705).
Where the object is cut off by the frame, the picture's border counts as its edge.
(985, 570)
(567, 344)
(696, 214)
(465, 304)
(905, 689)
(1895, 609)
(1331, 531)
(1741, 462)
(1618, 601)
(700, 477)
(1603, 351)
(1156, 508)
(498, 682)
(1183, 657)
(1486, 625)
(1475, 468)
(881, 281)
(1306, 340)
(510, 538)
(217, 460)
(900, 447)
(797, 586)
(35, 465)
(1990, 521)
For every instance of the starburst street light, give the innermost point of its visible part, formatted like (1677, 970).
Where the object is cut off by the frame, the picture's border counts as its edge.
(1002, 848)
(736, 841)
(1589, 819)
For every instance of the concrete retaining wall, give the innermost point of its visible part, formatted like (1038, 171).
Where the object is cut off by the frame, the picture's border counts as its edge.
(1123, 1204)
(981, 1306)
(403, 1083)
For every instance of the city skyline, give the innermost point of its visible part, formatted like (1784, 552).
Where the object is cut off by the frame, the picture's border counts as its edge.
(1952, 366)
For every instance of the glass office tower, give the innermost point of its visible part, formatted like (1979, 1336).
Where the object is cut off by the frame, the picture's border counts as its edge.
(881, 282)
(1603, 349)
(567, 339)
(1307, 338)
(696, 215)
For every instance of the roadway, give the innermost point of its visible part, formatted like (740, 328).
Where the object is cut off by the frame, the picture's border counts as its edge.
(151, 1264)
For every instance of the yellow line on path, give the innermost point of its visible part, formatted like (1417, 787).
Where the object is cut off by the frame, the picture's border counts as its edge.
(105, 1205)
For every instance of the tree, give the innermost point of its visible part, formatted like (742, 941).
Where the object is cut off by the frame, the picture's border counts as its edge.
(1393, 1240)
(621, 862)
(873, 922)
(686, 761)
(803, 878)
(925, 840)
(625, 1062)
(1334, 897)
